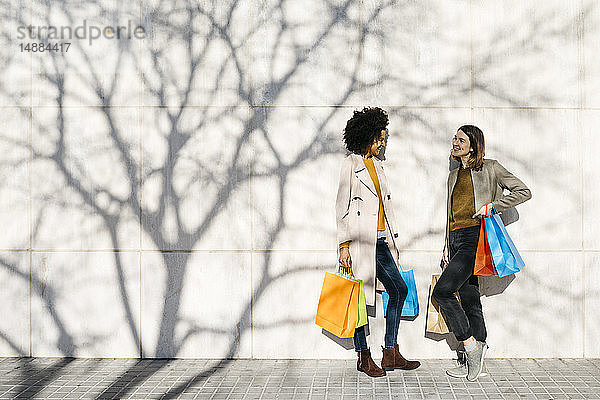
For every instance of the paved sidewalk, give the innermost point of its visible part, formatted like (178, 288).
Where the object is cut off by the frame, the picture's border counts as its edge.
(65, 378)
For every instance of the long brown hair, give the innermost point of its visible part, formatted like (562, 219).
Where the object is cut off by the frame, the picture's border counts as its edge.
(475, 136)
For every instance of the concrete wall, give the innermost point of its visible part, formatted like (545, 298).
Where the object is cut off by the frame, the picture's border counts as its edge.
(173, 196)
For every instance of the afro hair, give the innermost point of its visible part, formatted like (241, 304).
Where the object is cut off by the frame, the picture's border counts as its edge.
(364, 126)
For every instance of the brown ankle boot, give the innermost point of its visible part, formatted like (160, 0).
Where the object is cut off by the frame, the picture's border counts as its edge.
(401, 362)
(388, 361)
(366, 364)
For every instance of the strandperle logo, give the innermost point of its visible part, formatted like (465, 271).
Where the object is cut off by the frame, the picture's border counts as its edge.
(85, 30)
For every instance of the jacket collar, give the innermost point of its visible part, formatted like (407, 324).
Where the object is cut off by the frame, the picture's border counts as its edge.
(363, 174)
(453, 176)
(478, 178)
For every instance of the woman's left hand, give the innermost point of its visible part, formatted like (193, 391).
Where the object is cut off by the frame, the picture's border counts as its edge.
(484, 211)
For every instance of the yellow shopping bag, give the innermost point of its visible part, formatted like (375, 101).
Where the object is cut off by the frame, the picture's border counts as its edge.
(362, 306)
(338, 305)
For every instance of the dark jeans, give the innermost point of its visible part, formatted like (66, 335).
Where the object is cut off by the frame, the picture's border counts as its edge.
(387, 272)
(465, 318)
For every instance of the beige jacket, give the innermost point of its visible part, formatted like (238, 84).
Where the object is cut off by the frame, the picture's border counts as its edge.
(488, 186)
(356, 208)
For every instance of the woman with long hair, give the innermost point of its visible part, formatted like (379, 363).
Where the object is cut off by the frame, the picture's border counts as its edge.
(474, 189)
(366, 229)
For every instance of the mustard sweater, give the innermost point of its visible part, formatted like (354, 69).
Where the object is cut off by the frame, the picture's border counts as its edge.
(463, 202)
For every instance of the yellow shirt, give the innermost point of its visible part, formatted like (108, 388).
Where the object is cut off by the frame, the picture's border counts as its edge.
(380, 214)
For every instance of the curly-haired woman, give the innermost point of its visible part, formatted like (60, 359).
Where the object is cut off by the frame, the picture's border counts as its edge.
(366, 229)
(474, 189)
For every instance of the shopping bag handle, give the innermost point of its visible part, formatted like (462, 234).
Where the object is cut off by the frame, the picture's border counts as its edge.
(493, 211)
(346, 275)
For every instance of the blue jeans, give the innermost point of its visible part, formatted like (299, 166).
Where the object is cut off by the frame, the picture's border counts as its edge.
(387, 272)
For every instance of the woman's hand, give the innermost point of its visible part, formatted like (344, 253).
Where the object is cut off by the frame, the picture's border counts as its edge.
(484, 211)
(445, 257)
(345, 262)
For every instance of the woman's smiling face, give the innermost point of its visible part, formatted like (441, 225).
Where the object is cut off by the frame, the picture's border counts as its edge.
(374, 148)
(461, 145)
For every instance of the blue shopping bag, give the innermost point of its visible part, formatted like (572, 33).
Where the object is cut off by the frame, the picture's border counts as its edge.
(411, 304)
(507, 259)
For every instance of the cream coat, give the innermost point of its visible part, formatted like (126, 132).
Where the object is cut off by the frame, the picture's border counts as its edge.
(357, 206)
(489, 184)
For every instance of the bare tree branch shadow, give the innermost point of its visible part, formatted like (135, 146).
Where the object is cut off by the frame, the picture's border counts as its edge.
(173, 95)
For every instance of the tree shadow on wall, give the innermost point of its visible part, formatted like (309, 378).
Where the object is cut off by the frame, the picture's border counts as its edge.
(182, 182)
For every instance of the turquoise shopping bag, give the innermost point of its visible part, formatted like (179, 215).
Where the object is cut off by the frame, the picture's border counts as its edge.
(507, 259)
(410, 308)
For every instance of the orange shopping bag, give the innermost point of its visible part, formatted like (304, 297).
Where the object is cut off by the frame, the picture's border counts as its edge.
(484, 264)
(338, 305)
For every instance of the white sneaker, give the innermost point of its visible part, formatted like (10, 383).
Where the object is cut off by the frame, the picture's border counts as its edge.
(475, 361)
(459, 371)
